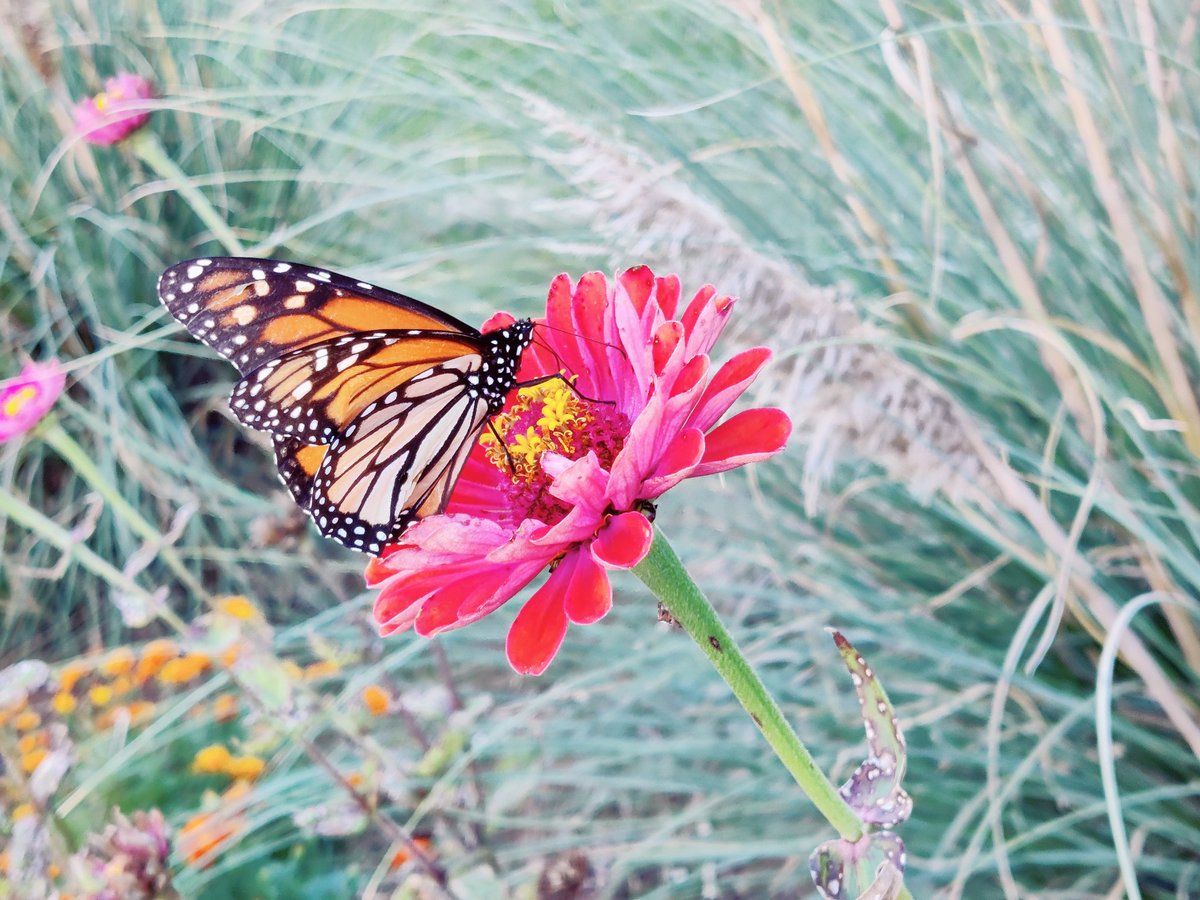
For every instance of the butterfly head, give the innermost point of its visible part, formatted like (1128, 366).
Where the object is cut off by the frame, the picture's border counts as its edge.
(502, 358)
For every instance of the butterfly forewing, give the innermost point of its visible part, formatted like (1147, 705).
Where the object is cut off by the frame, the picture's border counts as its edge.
(374, 400)
(316, 392)
(252, 310)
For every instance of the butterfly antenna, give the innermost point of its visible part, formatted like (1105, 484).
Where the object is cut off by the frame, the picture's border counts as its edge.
(583, 337)
(512, 466)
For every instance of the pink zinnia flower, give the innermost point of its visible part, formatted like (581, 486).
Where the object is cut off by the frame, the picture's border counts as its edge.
(572, 486)
(116, 112)
(26, 398)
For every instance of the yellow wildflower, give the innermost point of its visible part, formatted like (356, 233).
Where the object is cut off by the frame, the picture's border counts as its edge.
(238, 607)
(21, 811)
(101, 695)
(63, 703)
(211, 759)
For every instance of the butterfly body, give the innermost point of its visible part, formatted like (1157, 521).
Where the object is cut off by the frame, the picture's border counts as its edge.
(374, 400)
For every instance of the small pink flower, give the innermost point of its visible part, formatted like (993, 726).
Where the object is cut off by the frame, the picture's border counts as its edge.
(24, 400)
(572, 485)
(116, 112)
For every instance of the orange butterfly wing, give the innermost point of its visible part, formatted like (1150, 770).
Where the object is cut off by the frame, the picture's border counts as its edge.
(253, 310)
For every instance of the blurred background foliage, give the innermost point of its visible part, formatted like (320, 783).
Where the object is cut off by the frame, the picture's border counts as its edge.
(969, 233)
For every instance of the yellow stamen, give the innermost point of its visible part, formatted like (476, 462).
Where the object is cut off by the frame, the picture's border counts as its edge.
(557, 414)
(17, 401)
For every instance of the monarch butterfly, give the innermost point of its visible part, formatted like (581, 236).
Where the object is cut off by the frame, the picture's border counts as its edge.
(374, 400)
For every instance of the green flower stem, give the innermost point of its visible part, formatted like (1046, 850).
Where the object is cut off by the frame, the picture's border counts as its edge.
(150, 150)
(47, 528)
(665, 575)
(79, 460)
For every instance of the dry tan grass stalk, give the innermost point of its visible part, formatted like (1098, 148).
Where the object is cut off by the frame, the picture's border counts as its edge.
(1177, 392)
(810, 106)
(1024, 283)
(848, 395)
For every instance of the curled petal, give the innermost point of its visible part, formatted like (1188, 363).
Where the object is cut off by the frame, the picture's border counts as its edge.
(750, 436)
(681, 456)
(539, 628)
(729, 383)
(624, 541)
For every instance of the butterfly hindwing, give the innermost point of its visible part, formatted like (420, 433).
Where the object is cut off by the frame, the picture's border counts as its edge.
(399, 459)
(253, 310)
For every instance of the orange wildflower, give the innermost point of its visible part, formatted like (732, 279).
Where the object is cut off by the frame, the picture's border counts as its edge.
(119, 662)
(140, 710)
(184, 669)
(204, 834)
(225, 707)
(293, 671)
(121, 685)
(27, 721)
(32, 759)
(230, 655)
(70, 674)
(403, 855)
(30, 742)
(376, 699)
(63, 703)
(245, 767)
(154, 656)
(355, 779)
(323, 668)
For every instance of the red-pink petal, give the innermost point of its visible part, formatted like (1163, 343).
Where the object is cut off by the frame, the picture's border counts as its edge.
(677, 462)
(666, 292)
(638, 282)
(589, 594)
(666, 338)
(539, 628)
(624, 541)
(729, 383)
(448, 607)
(560, 320)
(392, 600)
(750, 436)
(496, 322)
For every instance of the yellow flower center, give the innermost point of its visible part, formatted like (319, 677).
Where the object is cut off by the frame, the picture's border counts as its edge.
(17, 401)
(545, 417)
